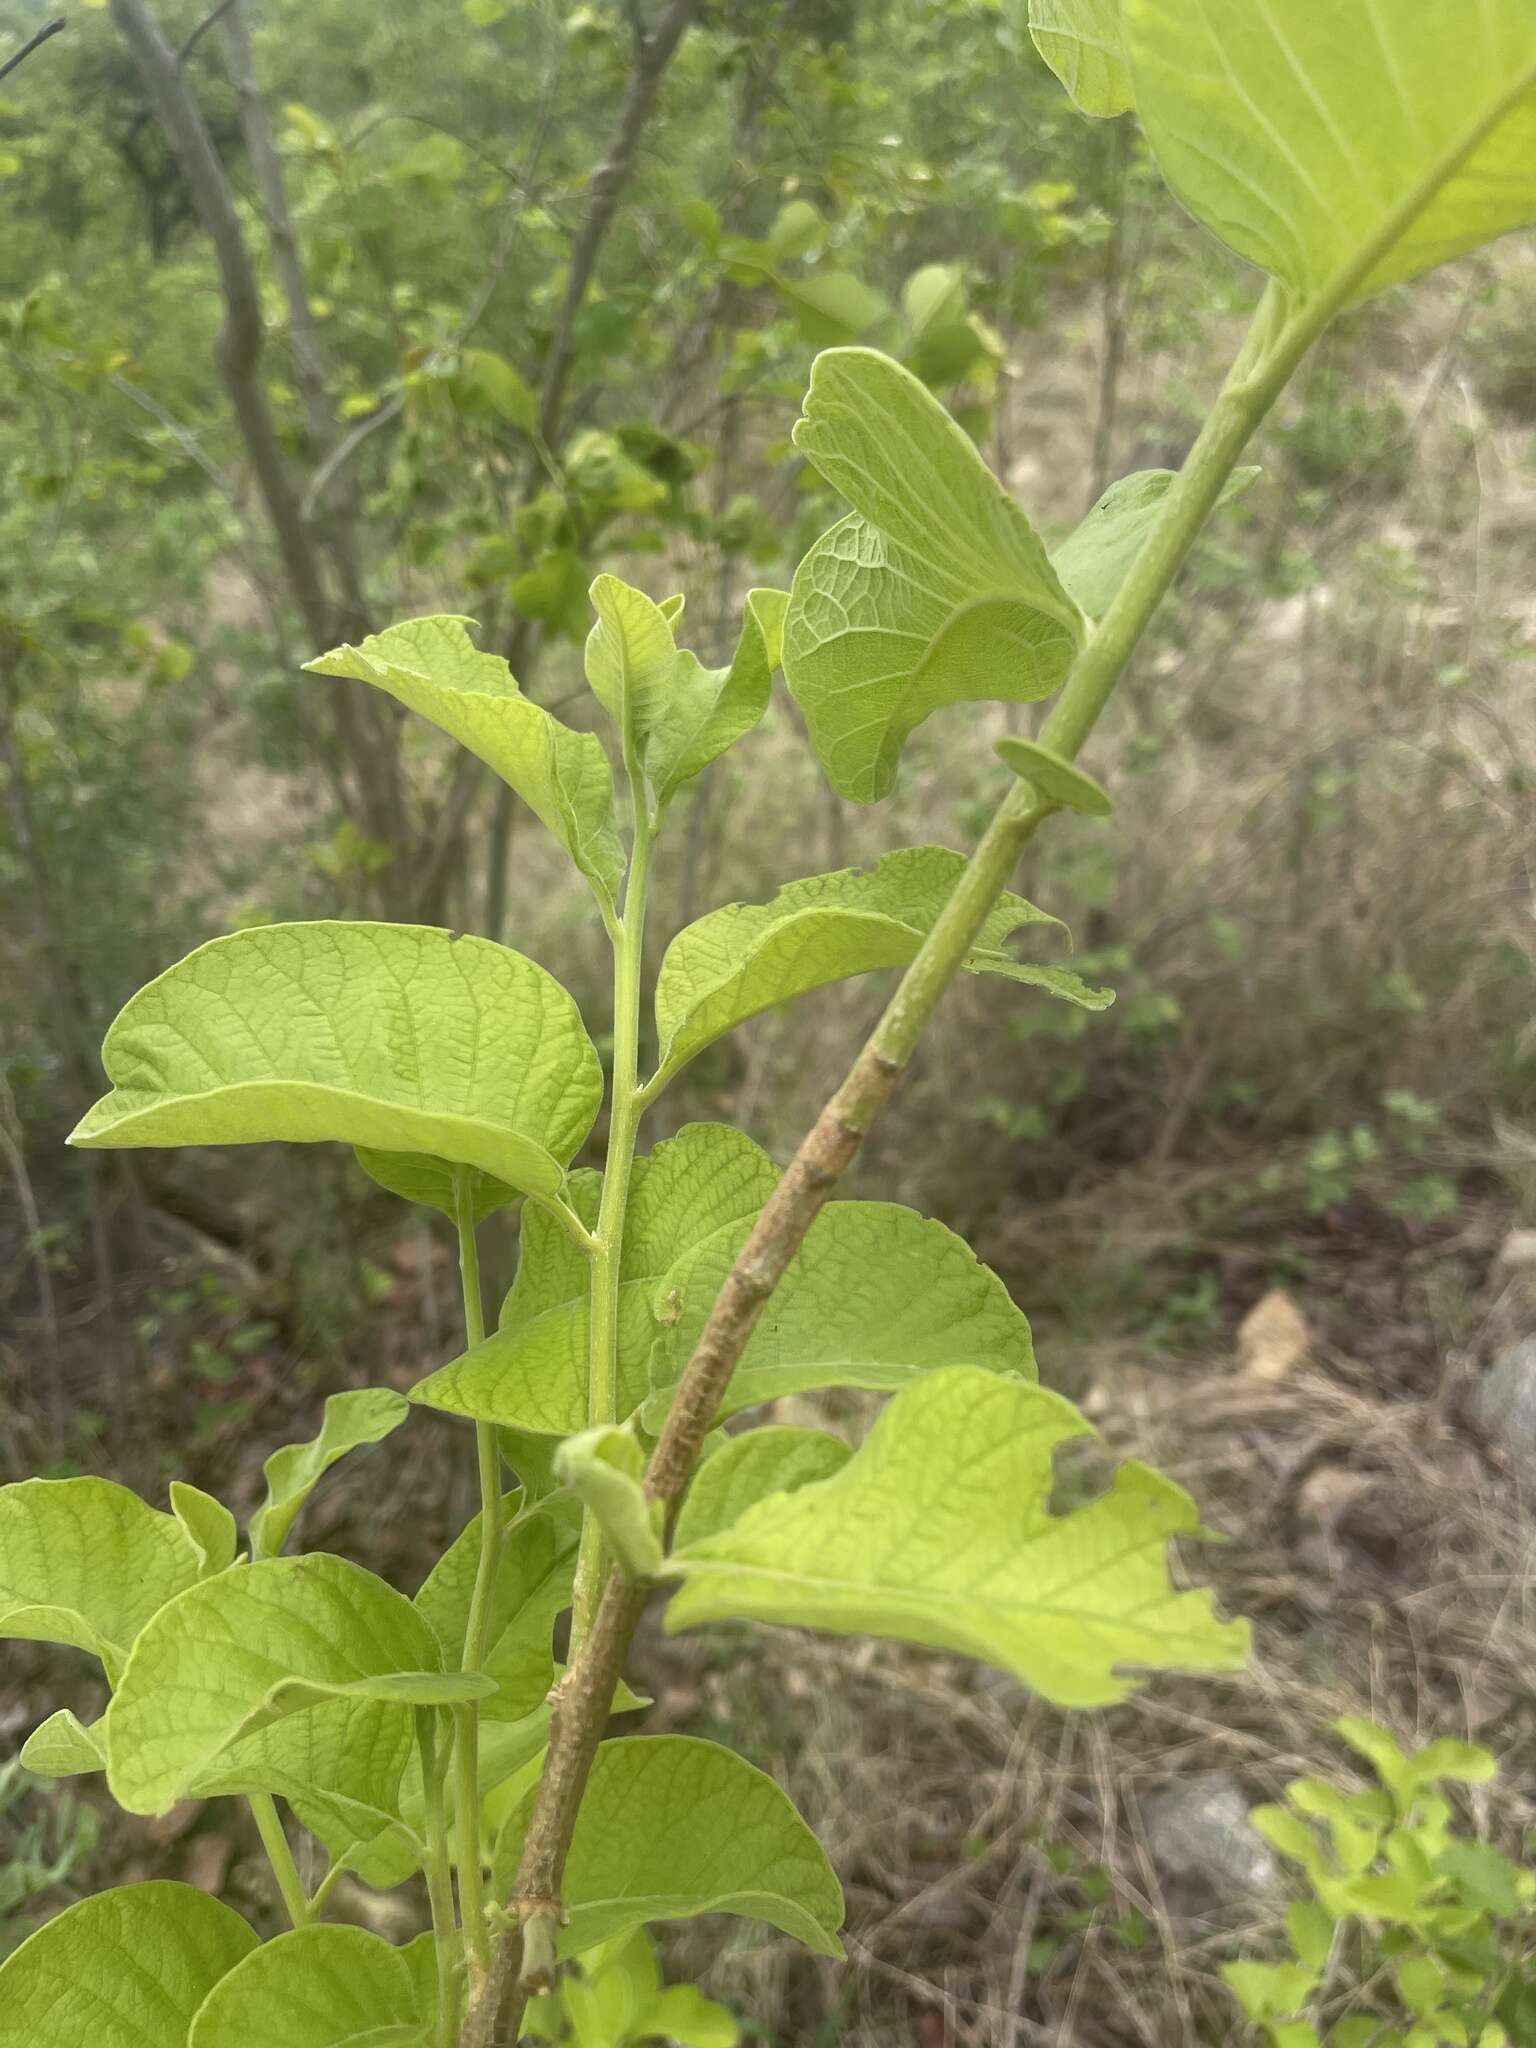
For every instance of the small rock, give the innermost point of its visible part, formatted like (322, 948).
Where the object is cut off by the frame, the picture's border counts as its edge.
(1518, 1251)
(1205, 1847)
(1273, 1340)
(1503, 1405)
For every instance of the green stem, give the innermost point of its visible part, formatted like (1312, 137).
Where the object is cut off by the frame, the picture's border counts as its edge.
(466, 1720)
(439, 1871)
(280, 1856)
(625, 1111)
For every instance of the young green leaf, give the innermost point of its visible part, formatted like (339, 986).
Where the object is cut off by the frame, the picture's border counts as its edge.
(317, 1987)
(339, 1764)
(351, 1421)
(532, 1373)
(1096, 557)
(61, 1747)
(209, 1525)
(1083, 41)
(1342, 149)
(126, 1969)
(1055, 778)
(415, 1177)
(631, 658)
(434, 668)
(709, 710)
(938, 1532)
(237, 1652)
(876, 1297)
(366, 1034)
(935, 590)
(533, 1585)
(603, 1468)
(745, 957)
(750, 1467)
(86, 1562)
(672, 1827)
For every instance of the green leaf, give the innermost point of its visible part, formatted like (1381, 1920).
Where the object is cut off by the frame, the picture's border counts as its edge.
(1083, 41)
(936, 590)
(126, 1969)
(1096, 557)
(417, 1178)
(317, 1987)
(1269, 1991)
(746, 957)
(433, 667)
(682, 2014)
(1314, 140)
(237, 1652)
(533, 1585)
(603, 1468)
(833, 305)
(62, 1748)
(1482, 1876)
(1311, 1928)
(1054, 777)
(711, 709)
(532, 1373)
(366, 1034)
(631, 658)
(748, 1469)
(938, 1532)
(671, 1827)
(350, 1421)
(877, 1296)
(209, 1525)
(86, 1562)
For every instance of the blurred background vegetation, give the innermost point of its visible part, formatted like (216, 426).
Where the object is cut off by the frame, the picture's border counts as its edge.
(511, 291)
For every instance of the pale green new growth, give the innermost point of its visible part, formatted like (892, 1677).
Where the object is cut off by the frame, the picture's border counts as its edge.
(61, 1747)
(746, 957)
(351, 1420)
(876, 1297)
(675, 715)
(366, 1034)
(938, 1531)
(533, 1584)
(673, 1827)
(1096, 557)
(1083, 41)
(1300, 132)
(209, 1526)
(532, 1373)
(86, 1562)
(318, 1987)
(434, 668)
(126, 1969)
(603, 1468)
(935, 590)
(749, 1467)
(617, 1998)
(237, 1652)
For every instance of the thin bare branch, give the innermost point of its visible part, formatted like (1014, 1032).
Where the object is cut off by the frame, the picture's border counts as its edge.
(48, 30)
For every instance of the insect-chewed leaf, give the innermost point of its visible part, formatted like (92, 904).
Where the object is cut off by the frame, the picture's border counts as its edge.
(533, 1585)
(935, 590)
(235, 1653)
(532, 1373)
(745, 957)
(1083, 41)
(366, 1034)
(1095, 558)
(318, 1987)
(61, 1747)
(86, 1562)
(433, 667)
(1342, 149)
(875, 1297)
(938, 1531)
(747, 1468)
(209, 1525)
(125, 1969)
(365, 1415)
(672, 1827)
